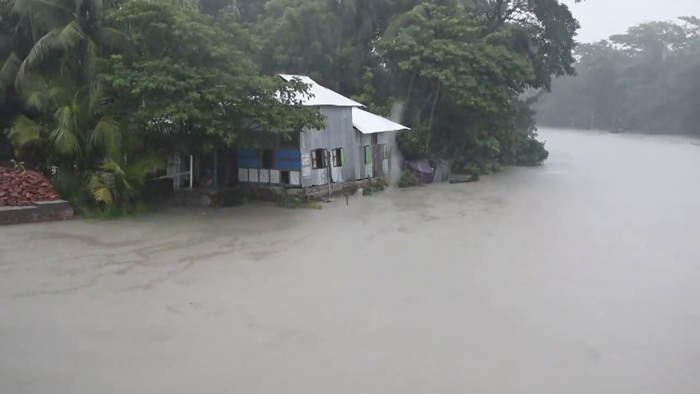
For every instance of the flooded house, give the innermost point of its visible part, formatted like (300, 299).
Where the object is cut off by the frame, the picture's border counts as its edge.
(354, 145)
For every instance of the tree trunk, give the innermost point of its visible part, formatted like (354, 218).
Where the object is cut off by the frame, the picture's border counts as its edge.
(432, 115)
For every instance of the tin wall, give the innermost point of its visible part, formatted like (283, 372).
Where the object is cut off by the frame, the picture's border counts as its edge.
(338, 133)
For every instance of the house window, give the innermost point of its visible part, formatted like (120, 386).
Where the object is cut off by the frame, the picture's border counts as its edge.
(383, 153)
(285, 179)
(267, 158)
(337, 158)
(368, 154)
(319, 158)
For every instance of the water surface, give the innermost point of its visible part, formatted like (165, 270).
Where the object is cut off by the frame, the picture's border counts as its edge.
(580, 276)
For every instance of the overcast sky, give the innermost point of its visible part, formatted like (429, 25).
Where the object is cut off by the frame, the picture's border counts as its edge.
(602, 18)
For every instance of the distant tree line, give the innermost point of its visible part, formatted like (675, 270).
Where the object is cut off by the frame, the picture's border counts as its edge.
(647, 80)
(100, 88)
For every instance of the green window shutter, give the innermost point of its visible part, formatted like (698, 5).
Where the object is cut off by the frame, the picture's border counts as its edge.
(342, 157)
(368, 154)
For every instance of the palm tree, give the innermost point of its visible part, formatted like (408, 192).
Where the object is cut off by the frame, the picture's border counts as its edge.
(67, 36)
(56, 81)
(70, 119)
(73, 123)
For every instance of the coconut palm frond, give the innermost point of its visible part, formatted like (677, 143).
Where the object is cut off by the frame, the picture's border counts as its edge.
(35, 94)
(116, 170)
(39, 51)
(98, 190)
(91, 59)
(65, 140)
(24, 131)
(113, 167)
(107, 136)
(103, 194)
(90, 64)
(61, 38)
(71, 34)
(97, 97)
(62, 94)
(64, 136)
(8, 72)
(137, 171)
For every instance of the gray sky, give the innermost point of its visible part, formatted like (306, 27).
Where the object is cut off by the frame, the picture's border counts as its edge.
(602, 18)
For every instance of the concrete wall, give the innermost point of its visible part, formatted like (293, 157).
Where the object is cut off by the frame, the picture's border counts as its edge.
(37, 212)
(338, 133)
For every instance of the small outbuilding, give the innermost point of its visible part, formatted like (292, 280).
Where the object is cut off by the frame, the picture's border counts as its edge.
(376, 136)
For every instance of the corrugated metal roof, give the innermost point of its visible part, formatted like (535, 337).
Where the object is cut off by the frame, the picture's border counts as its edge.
(321, 96)
(369, 123)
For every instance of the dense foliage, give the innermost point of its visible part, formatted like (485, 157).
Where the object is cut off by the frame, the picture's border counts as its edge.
(646, 80)
(102, 88)
(455, 69)
(86, 84)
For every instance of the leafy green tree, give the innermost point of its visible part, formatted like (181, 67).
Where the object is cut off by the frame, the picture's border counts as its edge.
(461, 87)
(457, 74)
(89, 84)
(190, 85)
(299, 38)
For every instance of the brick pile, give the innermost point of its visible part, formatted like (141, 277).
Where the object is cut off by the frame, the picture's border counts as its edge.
(18, 188)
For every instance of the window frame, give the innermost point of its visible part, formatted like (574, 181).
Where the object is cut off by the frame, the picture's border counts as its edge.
(337, 157)
(315, 159)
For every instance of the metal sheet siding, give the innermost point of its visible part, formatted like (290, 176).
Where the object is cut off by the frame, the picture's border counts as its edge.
(338, 133)
(389, 139)
(365, 170)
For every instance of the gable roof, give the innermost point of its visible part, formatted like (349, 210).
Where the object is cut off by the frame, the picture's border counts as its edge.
(369, 123)
(321, 96)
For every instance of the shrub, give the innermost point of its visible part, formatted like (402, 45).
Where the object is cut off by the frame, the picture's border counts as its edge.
(409, 180)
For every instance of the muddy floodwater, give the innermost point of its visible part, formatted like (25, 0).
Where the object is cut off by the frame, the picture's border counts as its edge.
(580, 276)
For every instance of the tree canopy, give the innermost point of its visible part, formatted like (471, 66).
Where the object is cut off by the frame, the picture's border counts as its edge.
(645, 80)
(457, 68)
(85, 82)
